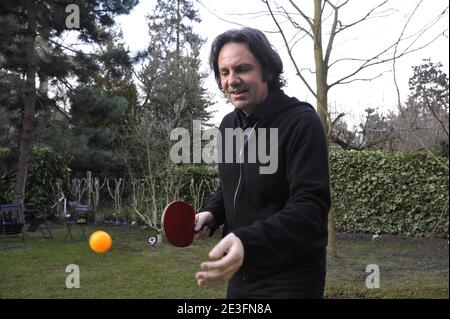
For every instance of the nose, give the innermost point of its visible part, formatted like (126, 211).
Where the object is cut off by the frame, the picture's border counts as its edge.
(234, 79)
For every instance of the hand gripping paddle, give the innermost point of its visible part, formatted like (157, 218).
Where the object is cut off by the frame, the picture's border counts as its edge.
(177, 222)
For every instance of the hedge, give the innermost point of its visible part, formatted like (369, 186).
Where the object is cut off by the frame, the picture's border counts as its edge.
(401, 194)
(378, 193)
(44, 168)
(203, 177)
(372, 192)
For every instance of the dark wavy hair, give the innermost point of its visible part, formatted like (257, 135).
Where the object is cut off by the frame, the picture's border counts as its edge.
(259, 46)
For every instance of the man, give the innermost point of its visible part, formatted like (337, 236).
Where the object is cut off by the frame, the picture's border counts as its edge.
(275, 234)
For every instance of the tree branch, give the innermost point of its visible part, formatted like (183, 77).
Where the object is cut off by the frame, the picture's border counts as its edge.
(362, 79)
(337, 118)
(362, 19)
(295, 24)
(367, 63)
(427, 103)
(395, 51)
(307, 19)
(332, 33)
(219, 17)
(406, 51)
(288, 49)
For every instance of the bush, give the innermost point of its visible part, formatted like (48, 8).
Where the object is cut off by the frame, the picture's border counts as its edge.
(377, 193)
(45, 167)
(372, 192)
(194, 175)
(6, 176)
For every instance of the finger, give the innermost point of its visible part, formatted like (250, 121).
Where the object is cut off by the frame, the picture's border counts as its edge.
(198, 224)
(201, 282)
(197, 236)
(202, 234)
(209, 278)
(205, 232)
(221, 264)
(221, 275)
(229, 260)
(220, 249)
(215, 265)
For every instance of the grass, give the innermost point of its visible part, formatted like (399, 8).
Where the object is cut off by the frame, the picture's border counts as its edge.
(409, 268)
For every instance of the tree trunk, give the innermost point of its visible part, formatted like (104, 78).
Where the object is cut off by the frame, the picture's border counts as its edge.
(28, 113)
(161, 240)
(322, 105)
(178, 29)
(331, 248)
(89, 186)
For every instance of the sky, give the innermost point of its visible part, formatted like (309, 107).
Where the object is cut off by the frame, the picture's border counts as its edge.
(362, 41)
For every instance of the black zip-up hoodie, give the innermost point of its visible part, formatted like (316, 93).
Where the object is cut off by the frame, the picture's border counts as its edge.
(281, 218)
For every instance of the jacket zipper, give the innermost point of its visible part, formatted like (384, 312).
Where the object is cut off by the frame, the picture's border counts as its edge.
(240, 171)
(240, 177)
(235, 193)
(239, 181)
(234, 204)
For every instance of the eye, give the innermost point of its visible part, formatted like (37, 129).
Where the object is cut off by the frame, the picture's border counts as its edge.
(244, 68)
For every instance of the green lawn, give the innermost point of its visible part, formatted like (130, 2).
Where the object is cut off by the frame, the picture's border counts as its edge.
(133, 269)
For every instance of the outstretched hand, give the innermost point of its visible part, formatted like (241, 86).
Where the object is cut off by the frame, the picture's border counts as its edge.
(227, 256)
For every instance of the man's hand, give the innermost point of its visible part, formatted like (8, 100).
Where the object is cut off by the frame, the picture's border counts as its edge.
(203, 224)
(228, 256)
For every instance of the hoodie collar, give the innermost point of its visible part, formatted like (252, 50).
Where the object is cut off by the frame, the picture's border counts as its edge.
(274, 102)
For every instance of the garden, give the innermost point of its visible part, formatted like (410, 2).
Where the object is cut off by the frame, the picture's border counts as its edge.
(104, 122)
(401, 230)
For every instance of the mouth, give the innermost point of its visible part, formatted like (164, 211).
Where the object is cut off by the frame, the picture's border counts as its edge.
(237, 93)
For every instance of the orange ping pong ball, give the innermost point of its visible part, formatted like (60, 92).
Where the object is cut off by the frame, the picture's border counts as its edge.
(100, 241)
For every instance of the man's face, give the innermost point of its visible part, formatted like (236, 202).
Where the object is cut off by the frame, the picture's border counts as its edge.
(241, 77)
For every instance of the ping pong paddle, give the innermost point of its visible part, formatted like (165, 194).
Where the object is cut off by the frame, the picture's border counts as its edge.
(177, 222)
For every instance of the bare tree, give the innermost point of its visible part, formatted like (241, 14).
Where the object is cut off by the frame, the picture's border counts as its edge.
(312, 28)
(153, 184)
(78, 187)
(375, 132)
(95, 189)
(422, 122)
(321, 23)
(116, 193)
